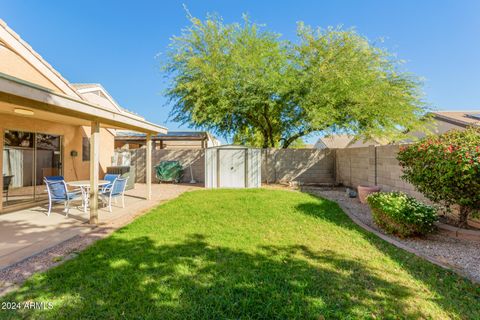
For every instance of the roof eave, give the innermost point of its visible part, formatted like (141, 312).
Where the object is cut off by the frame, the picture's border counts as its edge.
(14, 90)
(453, 121)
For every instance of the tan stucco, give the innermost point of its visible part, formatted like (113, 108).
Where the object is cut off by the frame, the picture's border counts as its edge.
(106, 151)
(27, 81)
(73, 168)
(14, 65)
(1, 165)
(72, 140)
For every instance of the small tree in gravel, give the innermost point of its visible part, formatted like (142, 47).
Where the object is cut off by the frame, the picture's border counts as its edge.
(446, 169)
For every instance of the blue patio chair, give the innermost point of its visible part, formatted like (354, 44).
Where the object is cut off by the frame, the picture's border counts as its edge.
(111, 178)
(58, 192)
(60, 178)
(54, 178)
(116, 190)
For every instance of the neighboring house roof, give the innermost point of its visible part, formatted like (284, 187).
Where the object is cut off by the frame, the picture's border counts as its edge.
(123, 135)
(96, 93)
(460, 118)
(12, 40)
(342, 141)
(184, 134)
(338, 141)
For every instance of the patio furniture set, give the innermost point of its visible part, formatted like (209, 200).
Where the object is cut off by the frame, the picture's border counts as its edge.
(111, 187)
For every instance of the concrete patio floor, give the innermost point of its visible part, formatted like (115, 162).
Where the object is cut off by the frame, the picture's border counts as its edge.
(30, 231)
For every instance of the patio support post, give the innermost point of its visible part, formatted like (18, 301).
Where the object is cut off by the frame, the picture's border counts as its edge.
(94, 170)
(1, 166)
(148, 171)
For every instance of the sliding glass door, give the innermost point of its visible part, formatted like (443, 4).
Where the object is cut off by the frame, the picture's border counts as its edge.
(47, 161)
(27, 158)
(18, 160)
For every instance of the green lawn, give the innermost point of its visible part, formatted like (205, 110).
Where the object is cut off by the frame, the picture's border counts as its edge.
(247, 254)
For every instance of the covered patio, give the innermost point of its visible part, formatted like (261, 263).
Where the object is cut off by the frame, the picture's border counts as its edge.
(29, 231)
(37, 114)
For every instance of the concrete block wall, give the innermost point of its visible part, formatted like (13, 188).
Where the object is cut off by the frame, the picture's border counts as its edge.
(187, 157)
(138, 160)
(379, 166)
(373, 165)
(389, 172)
(354, 167)
(306, 166)
(351, 167)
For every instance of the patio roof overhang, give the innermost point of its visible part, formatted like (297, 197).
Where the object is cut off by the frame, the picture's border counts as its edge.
(141, 139)
(18, 92)
(56, 107)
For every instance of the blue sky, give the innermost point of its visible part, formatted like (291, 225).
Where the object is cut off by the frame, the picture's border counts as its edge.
(115, 42)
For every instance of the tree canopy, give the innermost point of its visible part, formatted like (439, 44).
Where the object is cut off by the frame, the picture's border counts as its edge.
(243, 81)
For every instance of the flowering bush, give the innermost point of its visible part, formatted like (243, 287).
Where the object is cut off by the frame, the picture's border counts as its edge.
(401, 215)
(446, 169)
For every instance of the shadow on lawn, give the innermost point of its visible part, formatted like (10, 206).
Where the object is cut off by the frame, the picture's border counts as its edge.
(118, 278)
(447, 285)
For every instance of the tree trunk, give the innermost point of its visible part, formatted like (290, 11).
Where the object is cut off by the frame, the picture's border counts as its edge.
(269, 128)
(291, 139)
(265, 142)
(463, 216)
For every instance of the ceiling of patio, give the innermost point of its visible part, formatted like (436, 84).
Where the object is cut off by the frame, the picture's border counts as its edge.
(8, 108)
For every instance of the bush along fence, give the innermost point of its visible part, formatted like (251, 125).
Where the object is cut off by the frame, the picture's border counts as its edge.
(446, 169)
(402, 215)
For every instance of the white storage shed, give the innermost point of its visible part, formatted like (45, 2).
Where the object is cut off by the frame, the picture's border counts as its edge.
(232, 166)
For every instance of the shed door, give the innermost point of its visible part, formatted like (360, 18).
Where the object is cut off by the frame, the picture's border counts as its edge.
(231, 168)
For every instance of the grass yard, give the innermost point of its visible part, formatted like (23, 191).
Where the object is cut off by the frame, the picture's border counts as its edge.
(247, 254)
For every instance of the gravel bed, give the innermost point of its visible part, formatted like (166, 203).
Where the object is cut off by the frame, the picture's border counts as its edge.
(458, 253)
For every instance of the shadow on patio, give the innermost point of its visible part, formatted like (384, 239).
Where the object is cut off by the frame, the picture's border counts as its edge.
(27, 232)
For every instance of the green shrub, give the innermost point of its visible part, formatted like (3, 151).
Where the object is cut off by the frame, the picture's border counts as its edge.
(446, 169)
(401, 215)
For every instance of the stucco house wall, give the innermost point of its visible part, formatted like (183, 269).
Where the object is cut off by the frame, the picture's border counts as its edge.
(35, 98)
(12, 63)
(74, 168)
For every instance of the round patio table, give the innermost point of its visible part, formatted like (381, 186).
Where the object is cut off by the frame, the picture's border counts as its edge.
(84, 185)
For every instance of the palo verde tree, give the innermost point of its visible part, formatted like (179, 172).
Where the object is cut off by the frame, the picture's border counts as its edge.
(242, 81)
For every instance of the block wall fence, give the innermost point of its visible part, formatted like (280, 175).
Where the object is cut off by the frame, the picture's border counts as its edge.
(306, 166)
(373, 165)
(187, 157)
(350, 167)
